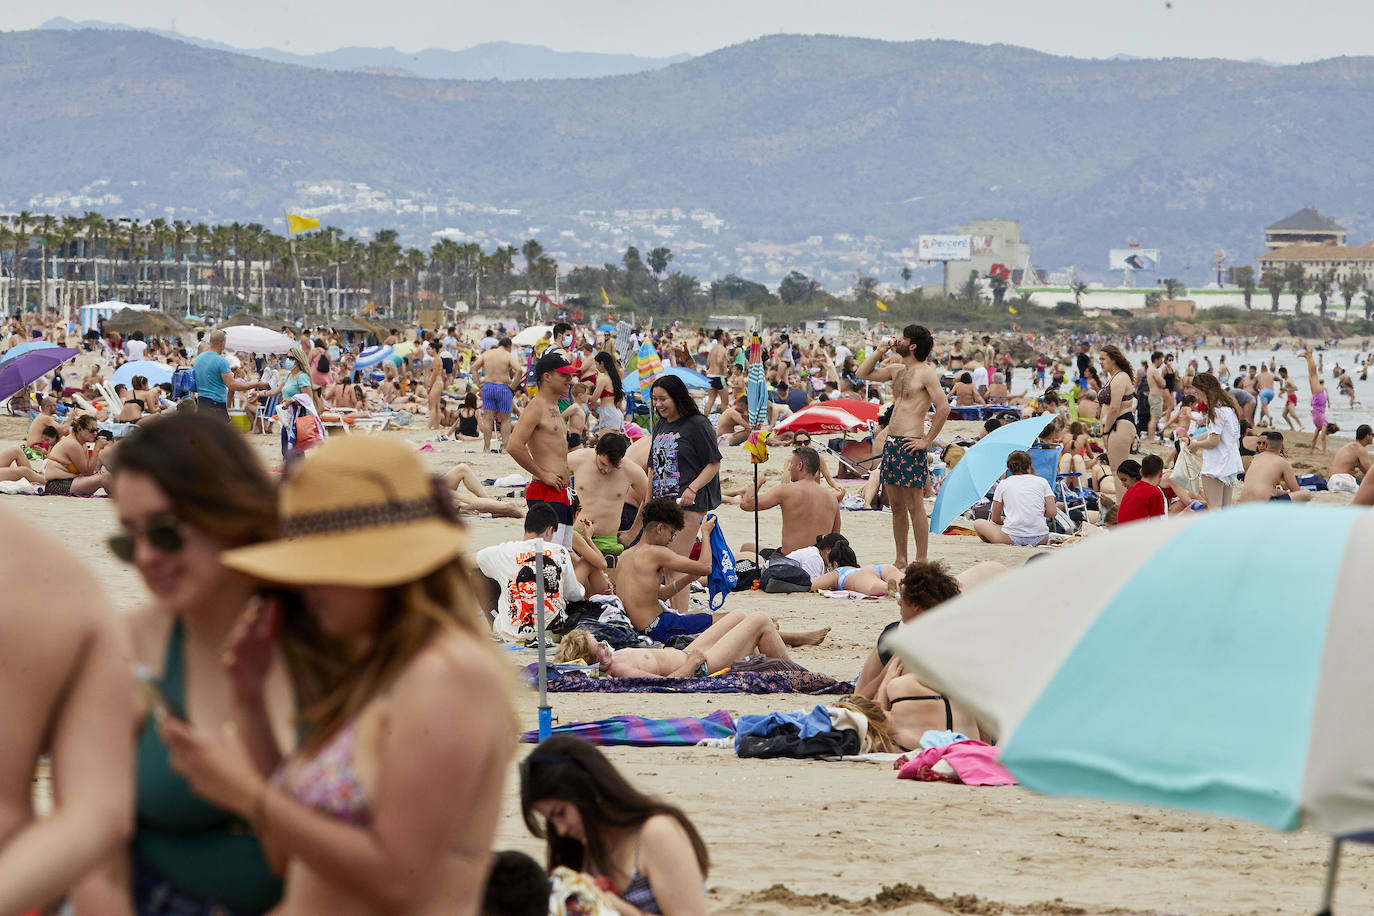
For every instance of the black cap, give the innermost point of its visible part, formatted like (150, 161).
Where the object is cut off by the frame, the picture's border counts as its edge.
(552, 362)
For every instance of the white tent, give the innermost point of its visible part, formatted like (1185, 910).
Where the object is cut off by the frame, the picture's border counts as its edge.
(91, 314)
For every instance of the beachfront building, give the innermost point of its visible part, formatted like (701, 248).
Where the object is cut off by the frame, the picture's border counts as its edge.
(991, 242)
(1318, 261)
(1306, 227)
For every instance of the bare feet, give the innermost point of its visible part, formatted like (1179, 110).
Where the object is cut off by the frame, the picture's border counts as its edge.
(811, 638)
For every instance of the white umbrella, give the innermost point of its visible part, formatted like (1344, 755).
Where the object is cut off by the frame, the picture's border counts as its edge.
(531, 335)
(252, 339)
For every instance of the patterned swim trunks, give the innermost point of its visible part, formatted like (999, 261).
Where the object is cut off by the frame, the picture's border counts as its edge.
(902, 468)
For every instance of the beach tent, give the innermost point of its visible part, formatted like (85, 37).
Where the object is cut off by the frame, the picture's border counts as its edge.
(91, 314)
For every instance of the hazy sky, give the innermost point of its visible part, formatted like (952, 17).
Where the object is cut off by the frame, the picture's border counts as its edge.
(1268, 29)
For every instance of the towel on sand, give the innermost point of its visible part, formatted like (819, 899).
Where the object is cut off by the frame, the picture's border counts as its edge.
(637, 731)
(808, 682)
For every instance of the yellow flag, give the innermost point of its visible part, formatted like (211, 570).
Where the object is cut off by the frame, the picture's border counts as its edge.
(881, 307)
(301, 223)
(605, 298)
(1012, 309)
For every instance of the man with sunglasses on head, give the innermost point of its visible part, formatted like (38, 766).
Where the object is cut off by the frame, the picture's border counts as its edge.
(75, 467)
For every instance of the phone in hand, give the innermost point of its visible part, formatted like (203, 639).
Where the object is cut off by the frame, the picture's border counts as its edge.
(158, 700)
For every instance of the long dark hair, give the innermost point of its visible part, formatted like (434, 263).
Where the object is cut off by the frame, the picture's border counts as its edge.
(607, 364)
(676, 389)
(212, 479)
(572, 771)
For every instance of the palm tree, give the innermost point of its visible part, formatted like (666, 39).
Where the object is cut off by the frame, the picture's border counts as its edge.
(681, 290)
(1273, 282)
(1079, 288)
(1244, 277)
(1295, 275)
(97, 228)
(531, 250)
(22, 223)
(545, 272)
(6, 240)
(658, 259)
(47, 240)
(1324, 284)
(865, 289)
(1171, 287)
(67, 235)
(1350, 286)
(906, 277)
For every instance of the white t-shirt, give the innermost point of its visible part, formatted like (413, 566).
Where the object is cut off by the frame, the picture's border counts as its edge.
(980, 377)
(134, 349)
(1023, 504)
(511, 565)
(842, 353)
(809, 558)
(487, 343)
(1223, 461)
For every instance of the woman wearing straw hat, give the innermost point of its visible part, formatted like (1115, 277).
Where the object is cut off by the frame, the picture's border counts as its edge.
(391, 802)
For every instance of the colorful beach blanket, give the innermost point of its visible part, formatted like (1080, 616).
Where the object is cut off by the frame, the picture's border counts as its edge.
(808, 682)
(637, 731)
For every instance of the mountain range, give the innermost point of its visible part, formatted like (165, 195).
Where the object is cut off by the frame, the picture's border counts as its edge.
(808, 152)
(500, 60)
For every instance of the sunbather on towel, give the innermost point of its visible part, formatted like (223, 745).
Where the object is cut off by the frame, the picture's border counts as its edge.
(732, 636)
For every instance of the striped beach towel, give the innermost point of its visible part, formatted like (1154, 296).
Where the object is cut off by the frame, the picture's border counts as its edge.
(637, 731)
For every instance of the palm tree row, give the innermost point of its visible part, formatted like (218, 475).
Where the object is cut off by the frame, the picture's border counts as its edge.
(71, 261)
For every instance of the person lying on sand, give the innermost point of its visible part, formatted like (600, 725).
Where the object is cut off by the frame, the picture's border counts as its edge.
(14, 465)
(480, 500)
(731, 637)
(878, 581)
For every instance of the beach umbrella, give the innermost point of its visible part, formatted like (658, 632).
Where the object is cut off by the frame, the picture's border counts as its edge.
(372, 356)
(982, 464)
(757, 393)
(253, 339)
(648, 365)
(1240, 690)
(21, 349)
(605, 329)
(531, 335)
(690, 377)
(403, 349)
(824, 417)
(29, 367)
(156, 373)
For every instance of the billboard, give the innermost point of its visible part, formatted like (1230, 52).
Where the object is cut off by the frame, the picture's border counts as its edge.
(1134, 259)
(943, 248)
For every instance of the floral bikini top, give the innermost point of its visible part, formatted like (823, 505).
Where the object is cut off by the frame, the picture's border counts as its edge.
(327, 782)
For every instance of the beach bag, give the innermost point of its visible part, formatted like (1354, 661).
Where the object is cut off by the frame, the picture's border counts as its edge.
(723, 577)
(781, 569)
(183, 383)
(746, 574)
(1187, 473)
(308, 432)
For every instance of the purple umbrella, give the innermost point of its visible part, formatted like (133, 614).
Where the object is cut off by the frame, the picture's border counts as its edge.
(31, 366)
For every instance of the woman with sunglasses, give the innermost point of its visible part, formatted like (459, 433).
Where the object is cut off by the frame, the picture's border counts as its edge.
(75, 466)
(186, 488)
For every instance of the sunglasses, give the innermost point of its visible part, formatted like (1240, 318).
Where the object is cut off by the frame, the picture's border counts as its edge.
(801, 441)
(167, 537)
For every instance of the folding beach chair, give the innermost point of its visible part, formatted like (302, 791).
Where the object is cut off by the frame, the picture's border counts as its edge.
(1045, 463)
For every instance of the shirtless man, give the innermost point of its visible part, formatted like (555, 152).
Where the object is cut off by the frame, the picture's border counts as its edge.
(809, 507)
(1353, 458)
(66, 683)
(47, 416)
(733, 425)
(498, 372)
(715, 371)
(1159, 391)
(1270, 476)
(73, 471)
(1264, 390)
(540, 442)
(643, 567)
(612, 491)
(905, 468)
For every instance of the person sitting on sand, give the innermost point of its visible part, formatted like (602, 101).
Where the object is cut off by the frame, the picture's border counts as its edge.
(1352, 459)
(964, 392)
(1021, 503)
(643, 567)
(913, 707)
(732, 636)
(511, 565)
(610, 489)
(71, 469)
(47, 417)
(809, 507)
(733, 426)
(1271, 477)
(129, 409)
(640, 848)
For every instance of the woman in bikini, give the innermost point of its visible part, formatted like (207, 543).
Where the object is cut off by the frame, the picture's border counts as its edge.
(640, 848)
(74, 466)
(877, 581)
(1117, 398)
(391, 802)
(609, 395)
(467, 430)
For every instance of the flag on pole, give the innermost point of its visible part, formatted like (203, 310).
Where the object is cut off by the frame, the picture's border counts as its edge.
(881, 306)
(301, 223)
(1012, 309)
(605, 298)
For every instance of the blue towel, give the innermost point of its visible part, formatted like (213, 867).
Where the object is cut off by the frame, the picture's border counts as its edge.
(808, 723)
(723, 578)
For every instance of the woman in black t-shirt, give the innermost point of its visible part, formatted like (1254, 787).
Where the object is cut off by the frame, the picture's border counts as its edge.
(684, 462)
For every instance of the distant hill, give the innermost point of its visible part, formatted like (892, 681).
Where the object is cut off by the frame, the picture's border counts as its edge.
(499, 60)
(783, 138)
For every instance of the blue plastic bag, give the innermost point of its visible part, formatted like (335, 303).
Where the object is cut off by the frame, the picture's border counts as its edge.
(723, 577)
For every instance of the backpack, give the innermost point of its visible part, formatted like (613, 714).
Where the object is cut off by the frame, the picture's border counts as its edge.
(322, 366)
(723, 577)
(782, 569)
(746, 574)
(183, 383)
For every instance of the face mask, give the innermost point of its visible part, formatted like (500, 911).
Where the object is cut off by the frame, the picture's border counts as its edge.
(567, 340)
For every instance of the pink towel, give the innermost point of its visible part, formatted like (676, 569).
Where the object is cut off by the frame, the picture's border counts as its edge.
(974, 763)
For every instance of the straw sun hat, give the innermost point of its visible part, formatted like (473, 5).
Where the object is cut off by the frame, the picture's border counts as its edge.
(361, 511)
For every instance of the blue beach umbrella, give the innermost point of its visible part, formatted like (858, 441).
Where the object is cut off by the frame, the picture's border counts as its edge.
(981, 465)
(1242, 690)
(605, 329)
(372, 356)
(156, 373)
(27, 368)
(690, 378)
(21, 349)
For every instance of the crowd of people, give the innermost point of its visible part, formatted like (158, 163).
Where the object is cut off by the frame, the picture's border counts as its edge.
(274, 730)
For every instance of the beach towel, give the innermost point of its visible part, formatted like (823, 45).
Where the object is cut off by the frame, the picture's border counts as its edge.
(971, 762)
(846, 593)
(805, 682)
(572, 893)
(637, 731)
(723, 578)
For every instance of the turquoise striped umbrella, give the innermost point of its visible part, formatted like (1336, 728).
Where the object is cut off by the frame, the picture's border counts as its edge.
(1195, 663)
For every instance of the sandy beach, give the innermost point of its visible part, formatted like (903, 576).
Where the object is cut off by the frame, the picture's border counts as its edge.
(792, 836)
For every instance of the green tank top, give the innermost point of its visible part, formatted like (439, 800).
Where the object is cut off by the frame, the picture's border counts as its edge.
(204, 851)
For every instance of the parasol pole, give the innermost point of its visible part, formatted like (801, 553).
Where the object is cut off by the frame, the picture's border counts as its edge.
(1329, 888)
(545, 712)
